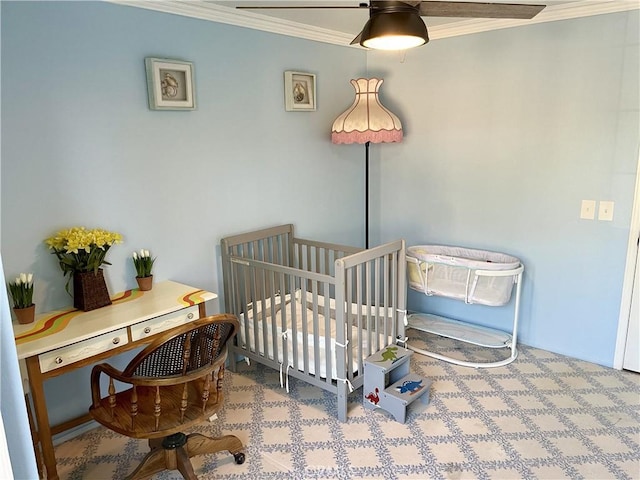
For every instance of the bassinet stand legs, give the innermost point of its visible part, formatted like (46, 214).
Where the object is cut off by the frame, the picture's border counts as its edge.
(469, 333)
(463, 363)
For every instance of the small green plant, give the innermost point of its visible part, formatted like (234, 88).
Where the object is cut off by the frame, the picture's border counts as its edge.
(22, 291)
(143, 263)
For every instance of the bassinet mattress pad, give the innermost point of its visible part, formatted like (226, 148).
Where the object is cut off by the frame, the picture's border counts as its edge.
(449, 271)
(301, 308)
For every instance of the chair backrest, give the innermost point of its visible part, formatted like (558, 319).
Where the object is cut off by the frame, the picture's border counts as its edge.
(186, 351)
(175, 381)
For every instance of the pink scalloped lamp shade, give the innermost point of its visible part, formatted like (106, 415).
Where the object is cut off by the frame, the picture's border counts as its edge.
(367, 120)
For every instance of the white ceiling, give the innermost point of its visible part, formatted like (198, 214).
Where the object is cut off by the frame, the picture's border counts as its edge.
(339, 26)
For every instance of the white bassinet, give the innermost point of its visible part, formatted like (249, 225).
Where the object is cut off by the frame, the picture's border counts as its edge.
(473, 276)
(453, 272)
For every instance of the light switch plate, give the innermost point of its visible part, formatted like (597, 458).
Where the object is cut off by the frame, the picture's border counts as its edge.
(588, 210)
(605, 211)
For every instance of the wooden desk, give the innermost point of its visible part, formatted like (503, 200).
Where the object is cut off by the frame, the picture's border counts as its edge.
(65, 340)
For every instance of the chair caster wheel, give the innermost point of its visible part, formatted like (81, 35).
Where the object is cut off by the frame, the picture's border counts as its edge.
(239, 457)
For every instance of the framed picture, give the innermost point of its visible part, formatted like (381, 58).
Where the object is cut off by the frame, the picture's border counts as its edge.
(170, 84)
(299, 91)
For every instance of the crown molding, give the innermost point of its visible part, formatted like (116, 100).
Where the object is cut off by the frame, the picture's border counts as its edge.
(240, 18)
(216, 13)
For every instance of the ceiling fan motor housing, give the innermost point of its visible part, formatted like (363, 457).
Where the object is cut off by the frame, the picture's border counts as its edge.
(393, 19)
(386, 6)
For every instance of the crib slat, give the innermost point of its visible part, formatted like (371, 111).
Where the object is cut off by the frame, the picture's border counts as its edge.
(353, 319)
(294, 327)
(314, 327)
(273, 308)
(327, 262)
(328, 321)
(241, 297)
(395, 305)
(385, 300)
(377, 327)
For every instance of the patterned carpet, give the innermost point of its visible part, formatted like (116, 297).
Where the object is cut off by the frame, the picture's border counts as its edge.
(544, 416)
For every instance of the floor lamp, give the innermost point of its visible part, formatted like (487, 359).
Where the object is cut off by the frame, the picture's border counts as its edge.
(366, 121)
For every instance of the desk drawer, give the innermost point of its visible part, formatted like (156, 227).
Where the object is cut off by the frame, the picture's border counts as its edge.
(165, 322)
(79, 351)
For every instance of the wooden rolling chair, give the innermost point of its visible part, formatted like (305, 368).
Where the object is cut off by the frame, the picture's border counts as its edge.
(175, 382)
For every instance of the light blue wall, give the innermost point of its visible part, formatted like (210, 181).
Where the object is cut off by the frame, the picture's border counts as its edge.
(81, 147)
(505, 133)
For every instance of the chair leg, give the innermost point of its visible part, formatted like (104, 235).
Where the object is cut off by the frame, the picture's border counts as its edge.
(198, 444)
(184, 464)
(161, 458)
(152, 463)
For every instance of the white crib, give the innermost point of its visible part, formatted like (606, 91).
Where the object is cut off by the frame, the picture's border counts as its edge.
(473, 276)
(313, 310)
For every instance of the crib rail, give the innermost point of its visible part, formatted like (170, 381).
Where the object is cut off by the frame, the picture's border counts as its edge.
(313, 256)
(273, 245)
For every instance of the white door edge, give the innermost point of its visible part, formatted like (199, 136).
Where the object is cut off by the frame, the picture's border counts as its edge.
(629, 271)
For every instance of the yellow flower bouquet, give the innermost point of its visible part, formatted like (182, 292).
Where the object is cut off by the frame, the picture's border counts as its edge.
(81, 250)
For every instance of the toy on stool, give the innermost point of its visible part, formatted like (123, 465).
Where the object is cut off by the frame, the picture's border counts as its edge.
(373, 397)
(410, 386)
(389, 354)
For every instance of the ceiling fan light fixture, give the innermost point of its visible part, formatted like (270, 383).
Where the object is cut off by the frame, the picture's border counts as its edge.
(394, 31)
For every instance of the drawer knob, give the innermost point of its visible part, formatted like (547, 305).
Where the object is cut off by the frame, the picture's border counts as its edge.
(116, 340)
(58, 360)
(147, 330)
(190, 316)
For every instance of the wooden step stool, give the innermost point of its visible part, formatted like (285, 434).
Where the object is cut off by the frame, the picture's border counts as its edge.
(389, 385)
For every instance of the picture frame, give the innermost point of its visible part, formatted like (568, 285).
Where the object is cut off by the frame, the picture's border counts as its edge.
(170, 84)
(299, 91)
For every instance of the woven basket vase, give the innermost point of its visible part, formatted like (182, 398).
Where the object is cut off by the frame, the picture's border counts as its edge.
(90, 291)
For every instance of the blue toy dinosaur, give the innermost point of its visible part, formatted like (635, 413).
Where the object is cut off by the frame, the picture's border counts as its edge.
(410, 386)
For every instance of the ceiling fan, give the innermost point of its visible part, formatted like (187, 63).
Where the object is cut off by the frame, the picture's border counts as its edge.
(397, 25)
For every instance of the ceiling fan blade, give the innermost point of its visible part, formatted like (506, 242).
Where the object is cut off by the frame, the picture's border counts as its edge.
(428, 8)
(479, 10)
(299, 7)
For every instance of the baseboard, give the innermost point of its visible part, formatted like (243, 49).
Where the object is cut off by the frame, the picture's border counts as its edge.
(74, 432)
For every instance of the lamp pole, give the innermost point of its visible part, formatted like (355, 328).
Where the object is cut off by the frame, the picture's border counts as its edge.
(366, 195)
